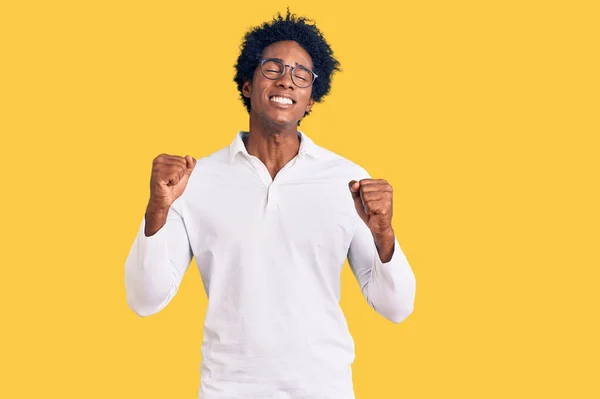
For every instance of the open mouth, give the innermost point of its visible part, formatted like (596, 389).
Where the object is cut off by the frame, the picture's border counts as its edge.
(282, 100)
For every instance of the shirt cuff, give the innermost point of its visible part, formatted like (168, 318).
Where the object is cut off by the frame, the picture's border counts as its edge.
(150, 243)
(395, 256)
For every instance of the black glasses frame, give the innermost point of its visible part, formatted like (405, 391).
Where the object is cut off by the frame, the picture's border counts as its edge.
(292, 69)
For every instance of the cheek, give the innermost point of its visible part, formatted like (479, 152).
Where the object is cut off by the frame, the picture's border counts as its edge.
(258, 91)
(306, 101)
(255, 97)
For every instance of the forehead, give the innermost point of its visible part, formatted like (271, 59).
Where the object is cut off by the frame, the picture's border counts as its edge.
(290, 52)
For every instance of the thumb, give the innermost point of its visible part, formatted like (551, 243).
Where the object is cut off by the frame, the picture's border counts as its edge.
(190, 164)
(354, 189)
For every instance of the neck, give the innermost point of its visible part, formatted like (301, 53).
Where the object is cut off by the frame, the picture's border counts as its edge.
(274, 145)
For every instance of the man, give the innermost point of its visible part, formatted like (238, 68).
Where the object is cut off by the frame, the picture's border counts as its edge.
(270, 221)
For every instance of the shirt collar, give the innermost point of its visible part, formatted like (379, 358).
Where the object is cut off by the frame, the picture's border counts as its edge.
(307, 146)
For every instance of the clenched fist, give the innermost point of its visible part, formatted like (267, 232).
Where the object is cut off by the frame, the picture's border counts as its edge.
(373, 202)
(170, 174)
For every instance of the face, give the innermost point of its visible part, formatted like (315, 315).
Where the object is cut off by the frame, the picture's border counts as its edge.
(262, 91)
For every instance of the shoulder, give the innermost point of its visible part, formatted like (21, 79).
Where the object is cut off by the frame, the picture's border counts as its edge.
(216, 158)
(334, 161)
(210, 166)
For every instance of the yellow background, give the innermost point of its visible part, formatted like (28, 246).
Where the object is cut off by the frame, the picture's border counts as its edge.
(483, 115)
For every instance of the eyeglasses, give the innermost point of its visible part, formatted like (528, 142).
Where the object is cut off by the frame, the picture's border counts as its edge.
(273, 69)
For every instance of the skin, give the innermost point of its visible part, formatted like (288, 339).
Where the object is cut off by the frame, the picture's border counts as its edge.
(373, 202)
(273, 139)
(273, 127)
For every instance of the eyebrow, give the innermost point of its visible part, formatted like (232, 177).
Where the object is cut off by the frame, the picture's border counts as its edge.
(283, 62)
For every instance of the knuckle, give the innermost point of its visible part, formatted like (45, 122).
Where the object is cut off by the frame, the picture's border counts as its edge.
(160, 159)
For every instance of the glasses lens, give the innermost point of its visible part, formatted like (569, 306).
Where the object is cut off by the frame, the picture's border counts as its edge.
(303, 77)
(272, 69)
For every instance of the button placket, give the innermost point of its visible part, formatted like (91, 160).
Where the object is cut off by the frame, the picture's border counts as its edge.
(272, 196)
(273, 189)
(271, 185)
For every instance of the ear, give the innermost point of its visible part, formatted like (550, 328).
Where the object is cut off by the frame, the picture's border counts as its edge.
(247, 88)
(311, 102)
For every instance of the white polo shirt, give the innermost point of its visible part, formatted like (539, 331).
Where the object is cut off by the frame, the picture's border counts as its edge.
(270, 253)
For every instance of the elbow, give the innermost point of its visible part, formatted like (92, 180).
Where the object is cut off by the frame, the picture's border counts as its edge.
(405, 302)
(141, 309)
(145, 298)
(399, 304)
(396, 311)
(400, 314)
(144, 307)
(404, 308)
(398, 307)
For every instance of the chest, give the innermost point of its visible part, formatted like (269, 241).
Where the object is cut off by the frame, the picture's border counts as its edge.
(308, 214)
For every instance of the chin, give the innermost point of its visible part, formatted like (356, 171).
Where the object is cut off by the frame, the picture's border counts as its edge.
(281, 120)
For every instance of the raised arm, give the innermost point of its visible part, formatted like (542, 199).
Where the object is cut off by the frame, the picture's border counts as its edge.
(161, 252)
(375, 257)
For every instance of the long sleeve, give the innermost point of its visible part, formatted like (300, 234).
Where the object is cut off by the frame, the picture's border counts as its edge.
(155, 265)
(388, 287)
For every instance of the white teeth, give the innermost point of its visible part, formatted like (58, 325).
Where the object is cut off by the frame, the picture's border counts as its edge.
(282, 100)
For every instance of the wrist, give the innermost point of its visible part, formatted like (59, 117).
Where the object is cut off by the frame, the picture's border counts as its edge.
(385, 243)
(156, 217)
(156, 208)
(384, 236)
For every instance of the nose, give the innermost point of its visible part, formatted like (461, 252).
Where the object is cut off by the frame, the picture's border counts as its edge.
(286, 79)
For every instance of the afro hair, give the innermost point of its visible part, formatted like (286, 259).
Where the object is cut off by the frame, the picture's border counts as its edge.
(292, 28)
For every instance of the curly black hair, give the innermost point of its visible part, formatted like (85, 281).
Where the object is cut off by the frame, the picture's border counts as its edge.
(298, 29)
